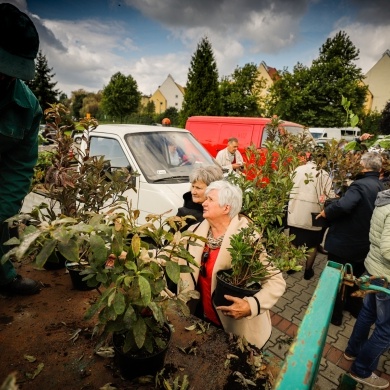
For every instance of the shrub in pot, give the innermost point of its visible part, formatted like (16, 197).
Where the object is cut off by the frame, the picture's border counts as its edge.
(266, 190)
(133, 270)
(131, 264)
(266, 186)
(74, 188)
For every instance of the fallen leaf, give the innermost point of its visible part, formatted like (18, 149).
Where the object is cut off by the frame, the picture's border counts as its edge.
(106, 352)
(36, 372)
(75, 335)
(108, 386)
(30, 358)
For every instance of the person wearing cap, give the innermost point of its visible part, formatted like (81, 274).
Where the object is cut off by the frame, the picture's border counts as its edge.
(20, 115)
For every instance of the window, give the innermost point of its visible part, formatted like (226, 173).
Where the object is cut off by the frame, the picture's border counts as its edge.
(109, 148)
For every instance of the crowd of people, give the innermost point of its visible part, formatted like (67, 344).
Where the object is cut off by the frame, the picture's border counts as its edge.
(358, 233)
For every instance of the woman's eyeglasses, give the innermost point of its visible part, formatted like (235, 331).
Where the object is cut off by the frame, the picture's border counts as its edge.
(203, 261)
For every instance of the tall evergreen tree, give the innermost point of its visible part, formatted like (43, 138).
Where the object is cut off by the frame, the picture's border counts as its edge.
(42, 85)
(121, 97)
(312, 95)
(202, 95)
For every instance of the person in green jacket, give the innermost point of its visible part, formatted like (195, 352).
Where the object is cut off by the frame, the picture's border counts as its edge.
(20, 115)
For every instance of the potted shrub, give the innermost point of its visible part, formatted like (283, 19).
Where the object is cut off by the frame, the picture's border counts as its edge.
(266, 188)
(130, 263)
(74, 185)
(133, 308)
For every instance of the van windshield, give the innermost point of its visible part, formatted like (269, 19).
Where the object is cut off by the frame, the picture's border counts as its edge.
(167, 156)
(295, 130)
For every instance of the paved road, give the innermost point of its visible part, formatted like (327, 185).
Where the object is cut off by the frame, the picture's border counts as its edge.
(288, 314)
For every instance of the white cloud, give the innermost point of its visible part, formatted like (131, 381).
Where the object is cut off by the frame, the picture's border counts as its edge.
(372, 41)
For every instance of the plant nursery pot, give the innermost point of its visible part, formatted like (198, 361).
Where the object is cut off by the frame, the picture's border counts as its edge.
(224, 288)
(78, 283)
(133, 366)
(320, 222)
(55, 261)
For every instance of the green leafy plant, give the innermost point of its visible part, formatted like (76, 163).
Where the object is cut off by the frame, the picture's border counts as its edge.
(130, 263)
(246, 250)
(266, 187)
(76, 183)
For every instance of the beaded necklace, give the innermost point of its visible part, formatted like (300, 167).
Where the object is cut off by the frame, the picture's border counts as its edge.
(214, 243)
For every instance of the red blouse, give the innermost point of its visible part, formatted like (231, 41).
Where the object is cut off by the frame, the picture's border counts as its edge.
(204, 283)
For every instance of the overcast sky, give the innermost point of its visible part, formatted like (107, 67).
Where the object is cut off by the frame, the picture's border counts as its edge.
(87, 41)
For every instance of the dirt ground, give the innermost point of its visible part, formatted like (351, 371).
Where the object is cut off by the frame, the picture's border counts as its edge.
(46, 342)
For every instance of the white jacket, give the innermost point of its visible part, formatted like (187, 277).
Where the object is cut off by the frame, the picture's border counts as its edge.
(257, 327)
(309, 184)
(223, 159)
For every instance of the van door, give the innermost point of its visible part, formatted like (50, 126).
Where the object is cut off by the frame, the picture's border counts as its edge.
(243, 132)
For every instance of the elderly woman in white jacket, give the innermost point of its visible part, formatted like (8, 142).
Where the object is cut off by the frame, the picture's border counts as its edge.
(248, 317)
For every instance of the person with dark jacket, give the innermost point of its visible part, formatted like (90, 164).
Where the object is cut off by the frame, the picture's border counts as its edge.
(20, 115)
(200, 178)
(365, 347)
(347, 240)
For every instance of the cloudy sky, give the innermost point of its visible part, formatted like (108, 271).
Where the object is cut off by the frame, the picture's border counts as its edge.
(87, 41)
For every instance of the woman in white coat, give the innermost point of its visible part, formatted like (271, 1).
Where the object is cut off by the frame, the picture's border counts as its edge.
(248, 317)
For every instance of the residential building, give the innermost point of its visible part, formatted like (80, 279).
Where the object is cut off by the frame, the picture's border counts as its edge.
(168, 94)
(267, 75)
(378, 81)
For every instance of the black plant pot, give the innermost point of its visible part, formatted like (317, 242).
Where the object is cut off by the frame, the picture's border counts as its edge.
(223, 287)
(320, 222)
(55, 261)
(132, 365)
(78, 283)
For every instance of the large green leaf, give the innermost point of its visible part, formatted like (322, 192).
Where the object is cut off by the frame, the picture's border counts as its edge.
(129, 317)
(119, 303)
(69, 250)
(46, 251)
(146, 293)
(139, 332)
(173, 271)
(99, 249)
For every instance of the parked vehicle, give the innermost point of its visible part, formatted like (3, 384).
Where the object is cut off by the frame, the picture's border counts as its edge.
(145, 150)
(326, 134)
(213, 132)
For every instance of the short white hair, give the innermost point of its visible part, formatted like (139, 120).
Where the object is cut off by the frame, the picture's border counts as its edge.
(228, 194)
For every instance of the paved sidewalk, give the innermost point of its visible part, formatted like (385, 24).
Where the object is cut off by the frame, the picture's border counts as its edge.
(288, 314)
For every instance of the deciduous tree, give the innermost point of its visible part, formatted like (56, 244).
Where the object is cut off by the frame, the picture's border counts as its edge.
(312, 95)
(384, 125)
(240, 92)
(121, 97)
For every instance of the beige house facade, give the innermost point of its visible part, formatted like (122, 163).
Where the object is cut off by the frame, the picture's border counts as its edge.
(168, 94)
(378, 81)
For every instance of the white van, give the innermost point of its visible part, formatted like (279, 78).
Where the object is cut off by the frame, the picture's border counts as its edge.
(145, 149)
(326, 134)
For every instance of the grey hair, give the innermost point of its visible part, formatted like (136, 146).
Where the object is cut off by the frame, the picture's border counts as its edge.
(371, 161)
(232, 139)
(206, 174)
(228, 194)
